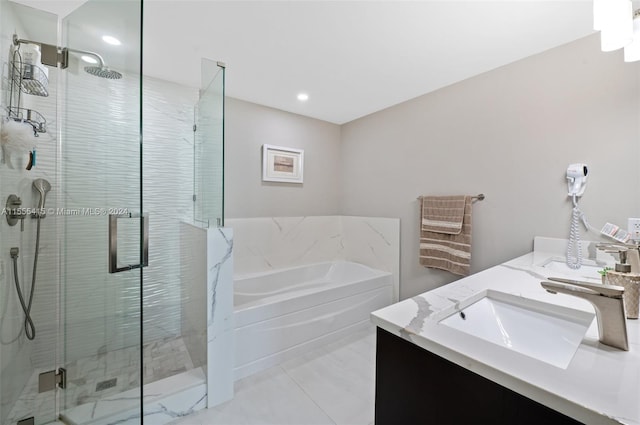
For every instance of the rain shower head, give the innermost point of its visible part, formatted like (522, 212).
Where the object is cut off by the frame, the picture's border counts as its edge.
(103, 72)
(42, 186)
(100, 70)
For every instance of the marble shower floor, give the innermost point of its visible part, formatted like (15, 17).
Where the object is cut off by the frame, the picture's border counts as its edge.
(333, 385)
(91, 378)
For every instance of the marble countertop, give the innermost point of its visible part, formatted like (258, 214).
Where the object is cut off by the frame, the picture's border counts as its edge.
(601, 384)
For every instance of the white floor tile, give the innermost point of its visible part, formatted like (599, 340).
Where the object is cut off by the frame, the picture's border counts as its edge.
(269, 397)
(331, 385)
(340, 379)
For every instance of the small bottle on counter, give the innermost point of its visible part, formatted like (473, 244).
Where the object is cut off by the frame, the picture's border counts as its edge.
(622, 276)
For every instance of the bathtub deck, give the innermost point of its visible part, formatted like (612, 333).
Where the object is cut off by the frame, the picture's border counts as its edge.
(333, 384)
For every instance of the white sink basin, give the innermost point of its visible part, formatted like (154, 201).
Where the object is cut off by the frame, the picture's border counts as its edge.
(588, 270)
(543, 331)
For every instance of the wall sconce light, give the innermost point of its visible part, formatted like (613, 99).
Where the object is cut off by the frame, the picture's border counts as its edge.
(632, 51)
(619, 27)
(614, 20)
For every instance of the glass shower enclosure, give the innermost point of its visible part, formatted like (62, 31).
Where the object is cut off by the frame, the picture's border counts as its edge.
(102, 222)
(95, 234)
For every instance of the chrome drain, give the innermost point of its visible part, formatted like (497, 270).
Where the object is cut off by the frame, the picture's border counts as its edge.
(105, 385)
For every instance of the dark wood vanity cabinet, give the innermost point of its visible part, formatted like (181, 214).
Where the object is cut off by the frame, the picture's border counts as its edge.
(414, 386)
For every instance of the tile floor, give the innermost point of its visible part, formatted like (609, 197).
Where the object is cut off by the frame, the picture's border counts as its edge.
(91, 378)
(330, 385)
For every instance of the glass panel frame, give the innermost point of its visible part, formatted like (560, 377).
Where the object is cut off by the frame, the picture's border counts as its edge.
(209, 147)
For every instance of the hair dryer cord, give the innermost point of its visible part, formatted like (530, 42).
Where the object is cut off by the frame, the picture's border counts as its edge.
(574, 247)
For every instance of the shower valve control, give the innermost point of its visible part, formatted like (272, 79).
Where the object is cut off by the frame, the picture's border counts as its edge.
(13, 211)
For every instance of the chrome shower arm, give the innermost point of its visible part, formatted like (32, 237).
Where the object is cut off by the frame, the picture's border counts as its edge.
(17, 41)
(86, 52)
(52, 56)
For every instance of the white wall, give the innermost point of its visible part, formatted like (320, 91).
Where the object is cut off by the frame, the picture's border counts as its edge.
(247, 127)
(510, 134)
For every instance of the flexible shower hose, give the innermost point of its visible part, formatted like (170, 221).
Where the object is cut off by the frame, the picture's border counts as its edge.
(29, 327)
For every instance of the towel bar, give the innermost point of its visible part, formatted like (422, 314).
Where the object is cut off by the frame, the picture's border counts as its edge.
(479, 197)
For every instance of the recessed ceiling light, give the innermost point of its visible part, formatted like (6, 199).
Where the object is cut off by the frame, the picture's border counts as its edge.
(111, 40)
(89, 59)
(303, 97)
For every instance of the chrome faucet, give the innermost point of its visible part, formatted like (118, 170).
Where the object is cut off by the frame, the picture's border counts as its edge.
(607, 302)
(612, 247)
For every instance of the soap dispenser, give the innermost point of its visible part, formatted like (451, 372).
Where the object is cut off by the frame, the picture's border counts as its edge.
(622, 266)
(633, 258)
(622, 276)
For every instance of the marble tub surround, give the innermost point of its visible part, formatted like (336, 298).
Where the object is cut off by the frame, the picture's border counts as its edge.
(220, 334)
(193, 275)
(374, 242)
(600, 384)
(268, 243)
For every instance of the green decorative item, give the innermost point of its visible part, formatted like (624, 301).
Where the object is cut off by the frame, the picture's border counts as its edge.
(604, 271)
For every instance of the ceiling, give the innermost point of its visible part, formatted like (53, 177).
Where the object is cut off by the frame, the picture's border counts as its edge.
(353, 58)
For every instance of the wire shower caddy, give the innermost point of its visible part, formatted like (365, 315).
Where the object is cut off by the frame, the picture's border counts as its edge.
(28, 79)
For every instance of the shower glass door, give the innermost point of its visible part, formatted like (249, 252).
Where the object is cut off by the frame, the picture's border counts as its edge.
(101, 191)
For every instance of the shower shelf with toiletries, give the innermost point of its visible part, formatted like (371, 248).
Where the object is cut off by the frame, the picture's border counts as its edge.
(29, 116)
(28, 78)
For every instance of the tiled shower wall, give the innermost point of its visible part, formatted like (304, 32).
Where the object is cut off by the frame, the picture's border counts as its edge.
(167, 202)
(17, 354)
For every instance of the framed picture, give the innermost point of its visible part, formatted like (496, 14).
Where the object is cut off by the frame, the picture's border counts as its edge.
(281, 164)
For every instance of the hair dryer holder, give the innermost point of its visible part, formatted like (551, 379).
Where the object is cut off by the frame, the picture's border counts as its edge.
(577, 179)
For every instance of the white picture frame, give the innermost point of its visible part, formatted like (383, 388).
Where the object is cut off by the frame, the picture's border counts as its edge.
(282, 165)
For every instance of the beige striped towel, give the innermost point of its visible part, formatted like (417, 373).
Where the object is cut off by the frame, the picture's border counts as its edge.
(445, 233)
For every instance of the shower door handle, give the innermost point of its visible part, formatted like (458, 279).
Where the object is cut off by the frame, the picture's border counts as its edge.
(113, 242)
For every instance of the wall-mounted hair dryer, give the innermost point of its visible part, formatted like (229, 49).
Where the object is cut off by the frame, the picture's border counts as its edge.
(576, 179)
(576, 183)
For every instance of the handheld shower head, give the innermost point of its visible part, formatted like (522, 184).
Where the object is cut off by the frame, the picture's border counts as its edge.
(43, 187)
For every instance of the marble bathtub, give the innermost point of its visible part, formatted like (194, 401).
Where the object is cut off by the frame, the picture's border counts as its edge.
(282, 313)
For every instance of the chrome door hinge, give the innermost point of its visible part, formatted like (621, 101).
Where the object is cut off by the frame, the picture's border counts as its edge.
(48, 381)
